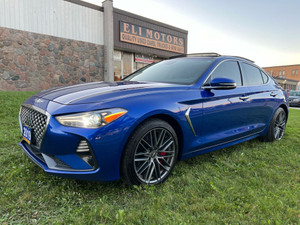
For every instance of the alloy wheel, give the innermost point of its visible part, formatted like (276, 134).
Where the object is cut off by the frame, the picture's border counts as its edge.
(279, 126)
(154, 156)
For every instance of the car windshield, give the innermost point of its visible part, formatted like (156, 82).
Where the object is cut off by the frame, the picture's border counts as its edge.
(177, 71)
(293, 93)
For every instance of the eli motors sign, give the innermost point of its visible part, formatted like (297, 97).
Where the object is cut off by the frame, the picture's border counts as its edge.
(147, 37)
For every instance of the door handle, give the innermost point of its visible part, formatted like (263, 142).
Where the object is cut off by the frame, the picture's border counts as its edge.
(273, 94)
(244, 98)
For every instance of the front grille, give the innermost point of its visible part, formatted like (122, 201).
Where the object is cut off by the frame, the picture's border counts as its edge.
(36, 121)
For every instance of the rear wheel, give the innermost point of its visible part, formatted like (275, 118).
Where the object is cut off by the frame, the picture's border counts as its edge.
(277, 126)
(150, 154)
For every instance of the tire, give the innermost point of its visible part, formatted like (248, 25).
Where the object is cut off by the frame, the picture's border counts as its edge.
(150, 154)
(277, 126)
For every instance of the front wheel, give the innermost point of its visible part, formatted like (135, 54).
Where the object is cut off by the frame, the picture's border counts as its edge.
(150, 154)
(277, 126)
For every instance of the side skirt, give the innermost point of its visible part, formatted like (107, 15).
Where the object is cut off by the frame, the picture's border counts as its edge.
(219, 146)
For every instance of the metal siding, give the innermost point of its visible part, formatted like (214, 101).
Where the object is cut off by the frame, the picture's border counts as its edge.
(53, 17)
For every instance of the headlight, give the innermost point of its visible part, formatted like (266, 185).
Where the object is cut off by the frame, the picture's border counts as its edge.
(93, 119)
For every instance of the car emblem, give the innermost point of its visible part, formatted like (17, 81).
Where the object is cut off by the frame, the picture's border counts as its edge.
(38, 100)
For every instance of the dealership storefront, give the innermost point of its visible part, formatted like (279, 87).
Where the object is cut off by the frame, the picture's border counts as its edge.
(139, 41)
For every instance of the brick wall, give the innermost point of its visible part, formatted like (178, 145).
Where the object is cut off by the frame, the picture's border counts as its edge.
(288, 72)
(33, 62)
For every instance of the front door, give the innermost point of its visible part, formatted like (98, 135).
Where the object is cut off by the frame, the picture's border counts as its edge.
(225, 112)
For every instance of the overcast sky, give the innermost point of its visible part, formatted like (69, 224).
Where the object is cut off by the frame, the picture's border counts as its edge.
(266, 31)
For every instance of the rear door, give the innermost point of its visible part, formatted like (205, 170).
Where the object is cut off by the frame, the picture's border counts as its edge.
(262, 96)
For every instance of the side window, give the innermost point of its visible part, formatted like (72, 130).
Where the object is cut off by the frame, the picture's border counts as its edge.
(264, 77)
(228, 69)
(251, 75)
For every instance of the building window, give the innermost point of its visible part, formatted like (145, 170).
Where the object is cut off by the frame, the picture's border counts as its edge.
(271, 72)
(296, 71)
(279, 73)
(293, 72)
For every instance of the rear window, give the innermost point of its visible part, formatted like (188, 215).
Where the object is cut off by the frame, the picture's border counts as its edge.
(265, 77)
(179, 71)
(251, 75)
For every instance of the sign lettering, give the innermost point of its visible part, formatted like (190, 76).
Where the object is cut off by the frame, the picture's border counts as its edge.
(138, 35)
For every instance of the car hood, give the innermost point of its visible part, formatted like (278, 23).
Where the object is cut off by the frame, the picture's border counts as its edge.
(101, 91)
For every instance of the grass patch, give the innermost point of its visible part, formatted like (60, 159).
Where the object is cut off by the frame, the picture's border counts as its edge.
(250, 183)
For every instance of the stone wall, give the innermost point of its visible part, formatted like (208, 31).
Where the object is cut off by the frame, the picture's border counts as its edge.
(33, 62)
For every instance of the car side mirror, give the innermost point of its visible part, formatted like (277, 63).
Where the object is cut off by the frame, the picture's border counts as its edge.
(221, 84)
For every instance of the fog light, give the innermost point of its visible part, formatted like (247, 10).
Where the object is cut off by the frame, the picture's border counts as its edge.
(84, 152)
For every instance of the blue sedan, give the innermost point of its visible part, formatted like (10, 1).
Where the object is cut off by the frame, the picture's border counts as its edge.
(138, 128)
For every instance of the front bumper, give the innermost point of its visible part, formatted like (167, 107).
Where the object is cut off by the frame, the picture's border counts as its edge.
(82, 175)
(57, 154)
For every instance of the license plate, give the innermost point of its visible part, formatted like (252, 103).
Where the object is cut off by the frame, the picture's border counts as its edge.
(26, 134)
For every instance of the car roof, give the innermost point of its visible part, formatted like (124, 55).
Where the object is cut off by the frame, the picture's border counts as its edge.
(210, 54)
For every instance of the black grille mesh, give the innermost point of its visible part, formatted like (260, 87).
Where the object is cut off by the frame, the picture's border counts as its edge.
(36, 121)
